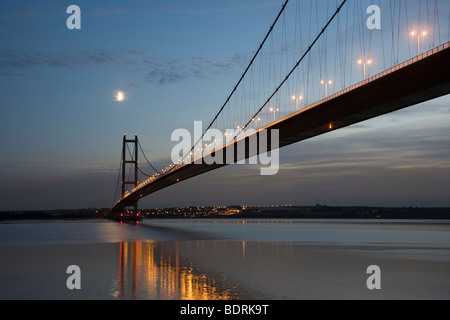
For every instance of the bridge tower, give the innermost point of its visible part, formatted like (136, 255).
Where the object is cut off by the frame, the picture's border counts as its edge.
(130, 164)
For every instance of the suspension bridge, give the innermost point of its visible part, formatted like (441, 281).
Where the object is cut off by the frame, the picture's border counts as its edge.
(319, 68)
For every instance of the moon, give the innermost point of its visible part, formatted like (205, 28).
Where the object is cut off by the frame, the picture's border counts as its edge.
(120, 96)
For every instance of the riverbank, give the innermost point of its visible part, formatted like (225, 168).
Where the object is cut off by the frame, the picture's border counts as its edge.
(245, 212)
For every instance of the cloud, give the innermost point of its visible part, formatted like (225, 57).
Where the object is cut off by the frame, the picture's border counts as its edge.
(132, 84)
(373, 154)
(164, 71)
(15, 61)
(101, 57)
(170, 71)
(158, 70)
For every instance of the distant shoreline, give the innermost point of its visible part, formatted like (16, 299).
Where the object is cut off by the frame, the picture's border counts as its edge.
(245, 212)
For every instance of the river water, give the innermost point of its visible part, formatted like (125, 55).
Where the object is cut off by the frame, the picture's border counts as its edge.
(225, 259)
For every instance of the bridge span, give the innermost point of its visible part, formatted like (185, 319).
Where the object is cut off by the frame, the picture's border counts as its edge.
(417, 80)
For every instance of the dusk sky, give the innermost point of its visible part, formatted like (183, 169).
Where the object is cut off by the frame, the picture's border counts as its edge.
(176, 62)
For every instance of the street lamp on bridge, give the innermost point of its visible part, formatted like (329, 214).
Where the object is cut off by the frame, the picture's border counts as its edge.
(364, 63)
(297, 99)
(274, 110)
(256, 122)
(418, 34)
(326, 83)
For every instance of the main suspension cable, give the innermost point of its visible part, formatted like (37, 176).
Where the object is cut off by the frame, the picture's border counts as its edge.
(241, 78)
(295, 67)
(139, 143)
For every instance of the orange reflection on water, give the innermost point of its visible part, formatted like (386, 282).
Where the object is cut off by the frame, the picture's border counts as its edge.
(155, 270)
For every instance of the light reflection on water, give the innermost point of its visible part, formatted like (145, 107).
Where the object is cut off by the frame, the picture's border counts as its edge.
(155, 270)
(233, 270)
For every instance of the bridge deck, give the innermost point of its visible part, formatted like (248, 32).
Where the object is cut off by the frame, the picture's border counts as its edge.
(420, 79)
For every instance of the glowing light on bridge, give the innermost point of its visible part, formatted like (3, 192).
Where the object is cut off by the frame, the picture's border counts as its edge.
(365, 63)
(326, 83)
(274, 110)
(297, 99)
(418, 34)
(256, 122)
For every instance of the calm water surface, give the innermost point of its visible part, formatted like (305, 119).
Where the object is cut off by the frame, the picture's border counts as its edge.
(225, 259)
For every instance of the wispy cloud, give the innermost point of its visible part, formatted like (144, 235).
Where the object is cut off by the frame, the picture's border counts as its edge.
(16, 61)
(164, 71)
(155, 70)
(375, 149)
